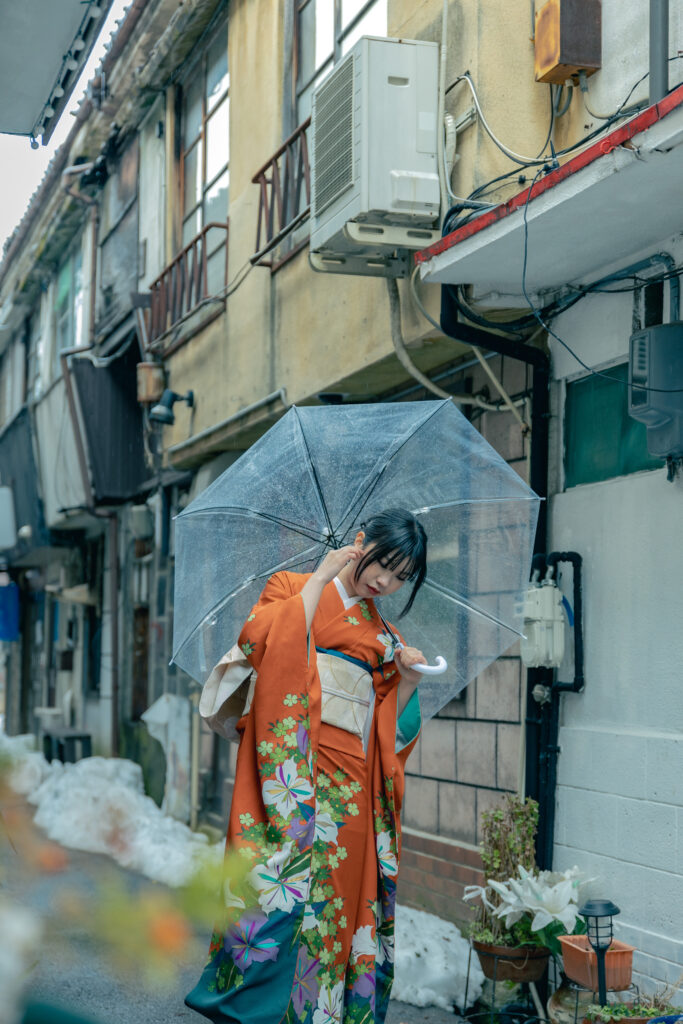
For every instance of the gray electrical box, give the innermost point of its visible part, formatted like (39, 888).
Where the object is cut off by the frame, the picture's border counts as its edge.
(655, 381)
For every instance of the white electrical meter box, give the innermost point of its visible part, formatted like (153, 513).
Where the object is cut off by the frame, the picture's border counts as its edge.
(542, 645)
(375, 192)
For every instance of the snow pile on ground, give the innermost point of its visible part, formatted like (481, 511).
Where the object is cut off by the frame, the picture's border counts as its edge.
(98, 805)
(431, 962)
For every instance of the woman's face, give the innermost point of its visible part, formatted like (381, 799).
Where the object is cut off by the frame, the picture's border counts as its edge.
(377, 579)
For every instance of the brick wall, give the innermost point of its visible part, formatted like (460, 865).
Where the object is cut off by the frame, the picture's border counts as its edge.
(469, 755)
(433, 875)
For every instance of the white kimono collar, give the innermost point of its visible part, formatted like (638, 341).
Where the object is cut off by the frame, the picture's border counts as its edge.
(347, 601)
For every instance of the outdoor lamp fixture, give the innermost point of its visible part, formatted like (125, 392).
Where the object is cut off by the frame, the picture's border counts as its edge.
(162, 412)
(598, 915)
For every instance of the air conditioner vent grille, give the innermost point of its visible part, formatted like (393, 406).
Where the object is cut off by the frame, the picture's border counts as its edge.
(333, 139)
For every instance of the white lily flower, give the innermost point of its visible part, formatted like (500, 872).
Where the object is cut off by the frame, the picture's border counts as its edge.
(532, 894)
(478, 892)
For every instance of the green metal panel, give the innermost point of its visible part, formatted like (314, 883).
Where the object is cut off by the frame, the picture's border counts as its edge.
(600, 439)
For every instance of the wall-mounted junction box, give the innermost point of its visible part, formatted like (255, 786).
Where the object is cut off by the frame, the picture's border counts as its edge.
(656, 387)
(567, 39)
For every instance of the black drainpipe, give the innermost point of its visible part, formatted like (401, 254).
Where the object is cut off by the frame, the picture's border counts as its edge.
(542, 720)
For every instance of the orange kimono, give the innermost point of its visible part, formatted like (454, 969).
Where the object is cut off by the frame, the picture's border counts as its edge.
(316, 811)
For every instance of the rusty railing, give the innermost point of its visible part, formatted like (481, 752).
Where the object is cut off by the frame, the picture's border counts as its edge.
(284, 197)
(182, 285)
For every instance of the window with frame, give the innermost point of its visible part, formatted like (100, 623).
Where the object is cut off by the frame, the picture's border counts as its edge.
(325, 31)
(69, 308)
(205, 153)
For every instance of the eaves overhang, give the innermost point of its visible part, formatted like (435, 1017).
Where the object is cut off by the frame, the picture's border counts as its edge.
(43, 49)
(620, 195)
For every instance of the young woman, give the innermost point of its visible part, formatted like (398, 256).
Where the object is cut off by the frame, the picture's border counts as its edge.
(318, 791)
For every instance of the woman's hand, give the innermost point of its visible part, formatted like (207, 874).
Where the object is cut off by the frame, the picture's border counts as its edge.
(404, 659)
(334, 561)
(331, 565)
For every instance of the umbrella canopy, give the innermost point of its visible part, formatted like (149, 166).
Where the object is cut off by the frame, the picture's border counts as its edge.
(312, 480)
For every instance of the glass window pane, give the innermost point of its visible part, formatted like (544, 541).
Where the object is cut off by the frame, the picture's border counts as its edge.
(305, 100)
(324, 31)
(374, 23)
(79, 307)
(192, 111)
(215, 239)
(216, 200)
(191, 226)
(63, 286)
(193, 177)
(316, 37)
(217, 78)
(218, 140)
(306, 35)
(349, 10)
(215, 272)
(601, 439)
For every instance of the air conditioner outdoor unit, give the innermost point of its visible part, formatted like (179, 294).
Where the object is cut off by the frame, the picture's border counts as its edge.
(374, 177)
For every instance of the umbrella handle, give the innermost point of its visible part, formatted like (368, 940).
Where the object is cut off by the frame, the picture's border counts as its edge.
(427, 670)
(432, 670)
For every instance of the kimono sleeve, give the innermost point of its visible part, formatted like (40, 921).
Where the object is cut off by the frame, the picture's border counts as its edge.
(409, 721)
(278, 614)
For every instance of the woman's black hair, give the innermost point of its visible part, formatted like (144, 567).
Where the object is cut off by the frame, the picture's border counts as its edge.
(395, 536)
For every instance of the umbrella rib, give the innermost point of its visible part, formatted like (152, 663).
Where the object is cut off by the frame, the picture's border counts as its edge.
(464, 603)
(255, 514)
(362, 497)
(316, 481)
(302, 555)
(474, 501)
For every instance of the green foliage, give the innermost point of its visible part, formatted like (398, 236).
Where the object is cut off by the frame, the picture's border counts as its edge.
(508, 837)
(620, 1011)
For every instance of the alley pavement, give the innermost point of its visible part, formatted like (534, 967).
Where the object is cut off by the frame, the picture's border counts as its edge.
(72, 973)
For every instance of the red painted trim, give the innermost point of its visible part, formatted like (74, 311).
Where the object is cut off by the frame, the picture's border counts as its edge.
(618, 137)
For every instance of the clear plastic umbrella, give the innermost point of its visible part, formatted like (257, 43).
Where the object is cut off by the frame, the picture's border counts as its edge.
(311, 481)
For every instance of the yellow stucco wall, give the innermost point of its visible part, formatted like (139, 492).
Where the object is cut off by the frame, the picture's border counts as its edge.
(309, 332)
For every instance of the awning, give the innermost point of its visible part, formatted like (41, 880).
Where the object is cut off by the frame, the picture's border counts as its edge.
(619, 196)
(43, 49)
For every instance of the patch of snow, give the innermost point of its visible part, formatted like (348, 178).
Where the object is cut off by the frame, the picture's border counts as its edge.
(98, 805)
(431, 962)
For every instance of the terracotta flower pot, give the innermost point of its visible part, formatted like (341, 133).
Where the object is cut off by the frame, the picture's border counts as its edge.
(511, 963)
(581, 963)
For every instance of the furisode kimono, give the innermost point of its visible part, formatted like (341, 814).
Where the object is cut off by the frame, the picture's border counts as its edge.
(316, 810)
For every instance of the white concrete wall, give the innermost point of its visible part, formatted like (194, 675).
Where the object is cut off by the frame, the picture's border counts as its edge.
(620, 771)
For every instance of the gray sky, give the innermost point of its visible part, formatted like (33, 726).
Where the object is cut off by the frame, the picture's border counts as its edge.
(22, 168)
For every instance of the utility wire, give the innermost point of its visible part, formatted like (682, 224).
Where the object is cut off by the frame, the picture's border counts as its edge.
(537, 313)
(622, 111)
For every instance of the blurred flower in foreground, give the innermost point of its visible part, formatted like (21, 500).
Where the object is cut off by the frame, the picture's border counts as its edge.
(146, 932)
(141, 927)
(20, 933)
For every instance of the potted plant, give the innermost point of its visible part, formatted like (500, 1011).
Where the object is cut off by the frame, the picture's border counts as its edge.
(640, 1012)
(522, 910)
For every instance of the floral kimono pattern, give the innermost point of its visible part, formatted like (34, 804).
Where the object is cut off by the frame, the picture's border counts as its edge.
(318, 819)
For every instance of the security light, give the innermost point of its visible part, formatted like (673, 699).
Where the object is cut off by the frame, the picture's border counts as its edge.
(162, 412)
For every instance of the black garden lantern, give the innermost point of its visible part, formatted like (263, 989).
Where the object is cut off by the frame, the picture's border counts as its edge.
(598, 915)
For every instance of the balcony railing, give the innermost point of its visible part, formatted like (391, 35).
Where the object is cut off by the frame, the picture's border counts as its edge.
(197, 274)
(284, 198)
